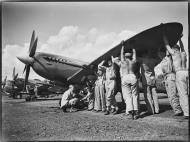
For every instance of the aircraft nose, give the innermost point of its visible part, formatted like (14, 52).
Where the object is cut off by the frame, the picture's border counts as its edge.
(26, 60)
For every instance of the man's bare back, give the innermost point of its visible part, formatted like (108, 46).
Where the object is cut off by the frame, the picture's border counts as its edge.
(179, 58)
(128, 63)
(127, 66)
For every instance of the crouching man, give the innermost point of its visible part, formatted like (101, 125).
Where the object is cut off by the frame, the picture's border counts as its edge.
(69, 99)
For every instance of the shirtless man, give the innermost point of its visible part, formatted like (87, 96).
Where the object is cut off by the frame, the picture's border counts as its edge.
(170, 84)
(111, 87)
(179, 63)
(129, 82)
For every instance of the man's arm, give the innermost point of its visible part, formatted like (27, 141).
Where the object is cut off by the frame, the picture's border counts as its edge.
(167, 44)
(122, 52)
(134, 58)
(167, 53)
(85, 97)
(100, 66)
(115, 60)
(181, 45)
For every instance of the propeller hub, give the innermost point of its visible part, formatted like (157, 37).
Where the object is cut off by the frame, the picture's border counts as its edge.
(26, 60)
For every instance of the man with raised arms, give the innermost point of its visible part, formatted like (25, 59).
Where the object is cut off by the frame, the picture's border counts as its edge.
(111, 86)
(179, 63)
(129, 82)
(170, 84)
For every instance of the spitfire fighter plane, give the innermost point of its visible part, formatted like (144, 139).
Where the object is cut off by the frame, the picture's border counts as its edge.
(14, 87)
(65, 71)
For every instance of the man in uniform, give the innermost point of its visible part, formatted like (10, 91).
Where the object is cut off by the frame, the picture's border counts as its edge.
(69, 99)
(170, 84)
(111, 87)
(179, 63)
(36, 90)
(148, 62)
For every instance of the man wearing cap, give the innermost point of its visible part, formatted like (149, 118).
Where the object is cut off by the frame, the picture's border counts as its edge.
(69, 98)
(170, 84)
(179, 64)
(110, 85)
(129, 82)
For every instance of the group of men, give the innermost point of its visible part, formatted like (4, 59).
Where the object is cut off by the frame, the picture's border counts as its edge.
(131, 71)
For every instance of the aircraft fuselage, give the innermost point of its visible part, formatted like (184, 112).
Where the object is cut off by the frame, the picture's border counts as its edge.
(55, 67)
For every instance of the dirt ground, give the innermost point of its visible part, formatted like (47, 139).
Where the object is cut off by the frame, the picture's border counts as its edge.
(43, 120)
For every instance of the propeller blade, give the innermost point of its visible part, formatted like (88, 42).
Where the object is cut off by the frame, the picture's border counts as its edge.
(4, 82)
(3, 86)
(13, 76)
(26, 76)
(32, 41)
(24, 69)
(33, 49)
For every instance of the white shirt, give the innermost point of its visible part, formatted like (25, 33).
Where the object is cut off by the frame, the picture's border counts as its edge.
(68, 95)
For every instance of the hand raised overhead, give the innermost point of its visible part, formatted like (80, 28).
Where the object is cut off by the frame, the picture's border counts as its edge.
(122, 43)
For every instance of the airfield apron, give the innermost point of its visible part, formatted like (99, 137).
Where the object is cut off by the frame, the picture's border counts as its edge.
(170, 84)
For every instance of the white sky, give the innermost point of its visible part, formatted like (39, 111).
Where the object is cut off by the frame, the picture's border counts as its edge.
(81, 30)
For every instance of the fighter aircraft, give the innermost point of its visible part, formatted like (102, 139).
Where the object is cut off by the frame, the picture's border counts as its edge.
(67, 71)
(4, 82)
(14, 87)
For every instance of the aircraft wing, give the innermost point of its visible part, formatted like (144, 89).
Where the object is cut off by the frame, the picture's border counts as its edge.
(76, 78)
(148, 40)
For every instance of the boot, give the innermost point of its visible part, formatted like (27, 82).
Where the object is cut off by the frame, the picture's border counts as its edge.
(135, 114)
(116, 110)
(112, 110)
(179, 113)
(130, 115)
(107, 111)
(64, 109)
